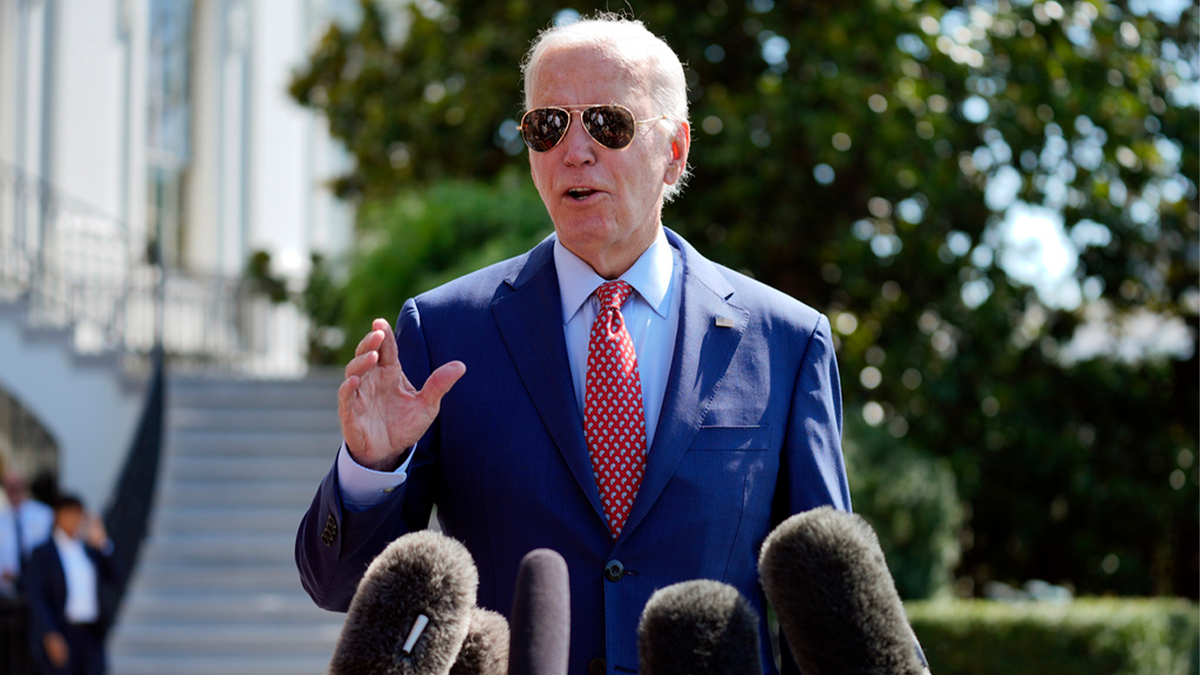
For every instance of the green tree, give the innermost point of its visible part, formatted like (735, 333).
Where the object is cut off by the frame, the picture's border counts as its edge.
(420, 239)
(866, 159)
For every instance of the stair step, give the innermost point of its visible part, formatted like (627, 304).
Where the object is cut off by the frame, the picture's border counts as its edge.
(264, 492)
(222, 518)
(181, 607)
(216, 589)
(272, 575)
(312, 639)
(286, 419)
(245, 469)
(241, 664)
(220, 548)
(219, 442)
(315, 391)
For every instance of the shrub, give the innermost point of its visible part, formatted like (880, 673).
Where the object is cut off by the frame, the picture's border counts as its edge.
(423, 238)
(911, 501)
(1085, 637)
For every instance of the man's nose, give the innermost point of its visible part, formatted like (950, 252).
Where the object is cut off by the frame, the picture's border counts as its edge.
(580, 148)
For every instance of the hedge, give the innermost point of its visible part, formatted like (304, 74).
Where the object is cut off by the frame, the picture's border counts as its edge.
(1084, 637)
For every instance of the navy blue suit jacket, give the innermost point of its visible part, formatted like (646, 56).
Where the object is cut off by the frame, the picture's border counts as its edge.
(749, 433)
(47, 592)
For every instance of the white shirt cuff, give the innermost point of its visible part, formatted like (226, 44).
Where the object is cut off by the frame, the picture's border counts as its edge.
(360, 487)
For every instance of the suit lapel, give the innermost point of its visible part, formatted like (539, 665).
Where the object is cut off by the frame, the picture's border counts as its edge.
(529, 320)
(703, 351)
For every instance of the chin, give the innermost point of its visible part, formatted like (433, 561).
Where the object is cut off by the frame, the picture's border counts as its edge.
(587, 231)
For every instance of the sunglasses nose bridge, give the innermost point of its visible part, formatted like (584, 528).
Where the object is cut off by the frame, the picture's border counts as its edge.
(578, 141)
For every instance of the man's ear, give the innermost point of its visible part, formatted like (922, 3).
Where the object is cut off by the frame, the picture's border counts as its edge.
(681, 144)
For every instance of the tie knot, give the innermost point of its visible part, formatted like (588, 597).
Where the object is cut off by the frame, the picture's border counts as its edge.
(613, 293)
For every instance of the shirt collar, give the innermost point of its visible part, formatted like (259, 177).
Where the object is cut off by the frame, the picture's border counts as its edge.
(650, 276)
(66, 541)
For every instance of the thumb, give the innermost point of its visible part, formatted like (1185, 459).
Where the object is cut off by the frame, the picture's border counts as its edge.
(441, 380)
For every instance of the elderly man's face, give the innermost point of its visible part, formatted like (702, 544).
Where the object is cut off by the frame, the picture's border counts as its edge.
(606, 204)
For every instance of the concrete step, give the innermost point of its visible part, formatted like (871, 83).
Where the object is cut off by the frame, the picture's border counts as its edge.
(226, 519)
(181, 607)
(227, 639)
(240, 664)
(221, 548)
(246, 469)
(315, 391)
(221, 442)
(278, 576)
(255, 418)
(263, 492)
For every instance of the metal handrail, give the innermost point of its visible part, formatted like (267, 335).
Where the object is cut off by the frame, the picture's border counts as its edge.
(80, 270)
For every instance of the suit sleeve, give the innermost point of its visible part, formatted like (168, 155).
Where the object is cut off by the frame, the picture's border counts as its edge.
(814, 472)
(334, 544)
(41, 614)
(107, 570)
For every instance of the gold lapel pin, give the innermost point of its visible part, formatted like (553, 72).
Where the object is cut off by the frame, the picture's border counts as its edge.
(724, 322)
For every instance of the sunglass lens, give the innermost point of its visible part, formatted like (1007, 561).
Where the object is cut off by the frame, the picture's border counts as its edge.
(612, 126)
(543, 128)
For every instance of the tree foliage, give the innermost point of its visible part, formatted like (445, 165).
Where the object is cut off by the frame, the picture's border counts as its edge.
(866, 158)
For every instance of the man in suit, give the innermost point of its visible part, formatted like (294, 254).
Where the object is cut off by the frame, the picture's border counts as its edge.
(25, 524)
(68, 622)
(650, 431)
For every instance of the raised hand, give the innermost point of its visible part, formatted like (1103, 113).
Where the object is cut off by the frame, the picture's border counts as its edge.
(382, 414)
(96, 534)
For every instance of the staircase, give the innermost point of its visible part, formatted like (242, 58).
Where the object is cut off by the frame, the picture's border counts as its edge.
(216, 588)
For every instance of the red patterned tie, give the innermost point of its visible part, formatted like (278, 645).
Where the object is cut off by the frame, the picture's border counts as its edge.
(613, 422)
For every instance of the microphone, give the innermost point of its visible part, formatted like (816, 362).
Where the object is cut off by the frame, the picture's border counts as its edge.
(700, 627)
(541, 616)
(485, 650)
(825, 574)
(411, 611)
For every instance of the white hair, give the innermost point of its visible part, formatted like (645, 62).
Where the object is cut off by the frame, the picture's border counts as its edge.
(648, 59)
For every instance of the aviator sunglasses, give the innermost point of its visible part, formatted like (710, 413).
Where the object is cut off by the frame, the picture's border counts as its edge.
(609, 125)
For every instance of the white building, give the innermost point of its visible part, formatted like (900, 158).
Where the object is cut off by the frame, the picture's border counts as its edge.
(126, 123)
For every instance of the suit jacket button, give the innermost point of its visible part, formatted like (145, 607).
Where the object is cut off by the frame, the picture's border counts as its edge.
(597, 667)
(614, 570)
(330, 532)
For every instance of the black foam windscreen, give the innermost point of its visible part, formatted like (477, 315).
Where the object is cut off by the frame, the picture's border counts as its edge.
(825, 574)
(411, 611)
(699, 627)
(485, 649)
(541, 616)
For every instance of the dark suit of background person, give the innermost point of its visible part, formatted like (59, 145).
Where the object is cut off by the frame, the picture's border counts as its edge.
(749, 433)
(48, 595)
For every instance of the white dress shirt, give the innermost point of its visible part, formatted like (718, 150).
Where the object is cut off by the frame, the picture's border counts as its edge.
(651, 316)
(83, 599)
(37, 520)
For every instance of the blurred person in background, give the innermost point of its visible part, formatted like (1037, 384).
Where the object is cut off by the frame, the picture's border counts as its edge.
(25, 524)
(68, 622)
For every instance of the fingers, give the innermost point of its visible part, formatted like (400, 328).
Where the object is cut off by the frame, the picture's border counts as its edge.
(97, 534)
(440, 382)
(376, 347)
(372, 340)
(388, 352)
(345, 416)
(359, 365)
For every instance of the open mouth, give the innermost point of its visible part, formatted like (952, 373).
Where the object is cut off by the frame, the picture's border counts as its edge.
(580, 194)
